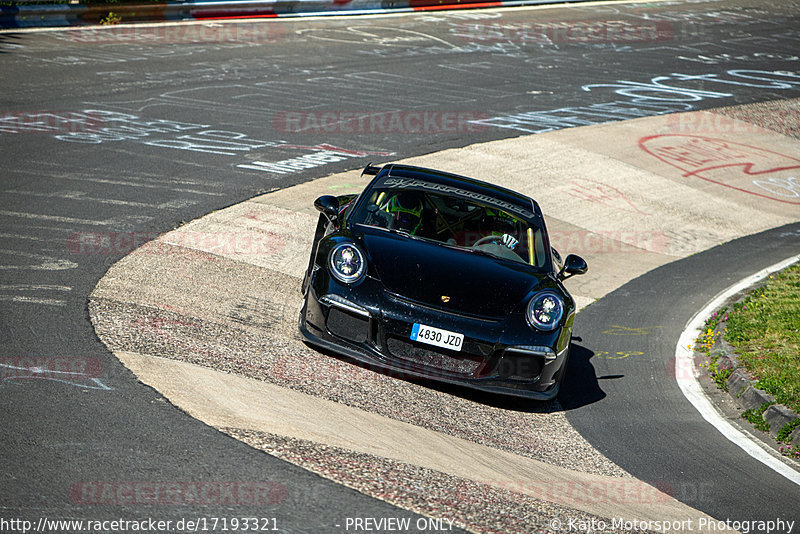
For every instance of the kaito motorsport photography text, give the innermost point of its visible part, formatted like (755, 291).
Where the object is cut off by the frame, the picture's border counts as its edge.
(702, 524)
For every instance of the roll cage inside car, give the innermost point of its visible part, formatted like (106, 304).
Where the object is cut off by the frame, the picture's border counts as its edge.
(451, 211)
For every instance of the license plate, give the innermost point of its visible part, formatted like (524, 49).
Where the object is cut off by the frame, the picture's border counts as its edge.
(437, 337)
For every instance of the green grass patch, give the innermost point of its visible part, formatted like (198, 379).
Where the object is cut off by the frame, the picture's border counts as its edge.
(756, 416)
(720, 378)
(786, 431)
(764, 329)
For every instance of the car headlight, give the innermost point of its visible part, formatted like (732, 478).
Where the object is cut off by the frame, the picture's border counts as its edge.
(545, 310)
(347, 263)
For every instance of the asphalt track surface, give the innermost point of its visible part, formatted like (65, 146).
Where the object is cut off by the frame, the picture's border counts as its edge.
(640, 394)
(182, 114)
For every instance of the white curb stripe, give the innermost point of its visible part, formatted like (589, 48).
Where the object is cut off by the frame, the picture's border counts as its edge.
(694, 393)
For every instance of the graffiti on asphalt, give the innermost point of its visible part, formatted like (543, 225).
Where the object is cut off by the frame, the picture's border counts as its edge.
(112, 126)
(320, 155)
(660, 95)
(80, 372)
(620, 355)
(748, 169)
(620, 330)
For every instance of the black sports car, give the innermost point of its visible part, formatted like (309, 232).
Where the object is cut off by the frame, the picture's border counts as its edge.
(439, 276)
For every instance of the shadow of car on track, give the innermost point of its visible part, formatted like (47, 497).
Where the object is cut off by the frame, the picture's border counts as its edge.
(581, 384)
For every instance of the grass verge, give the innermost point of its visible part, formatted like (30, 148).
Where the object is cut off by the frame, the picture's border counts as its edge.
(764, 330)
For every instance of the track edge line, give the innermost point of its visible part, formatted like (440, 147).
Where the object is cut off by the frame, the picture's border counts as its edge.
(690, 386)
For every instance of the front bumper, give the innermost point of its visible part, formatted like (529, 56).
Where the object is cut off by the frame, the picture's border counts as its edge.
(497, 356)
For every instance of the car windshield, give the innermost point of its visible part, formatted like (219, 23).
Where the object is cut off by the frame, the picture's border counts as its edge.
(455, 221)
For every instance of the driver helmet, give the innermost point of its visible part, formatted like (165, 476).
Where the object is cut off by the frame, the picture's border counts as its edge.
(498, 222)
(406, 211)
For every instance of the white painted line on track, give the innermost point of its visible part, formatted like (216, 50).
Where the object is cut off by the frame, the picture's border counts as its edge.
(34, 287)
(139, 184)
(81, 196)
(48, 263)
(30, 237)
(694, 392)
(56, 218)
(33, 300)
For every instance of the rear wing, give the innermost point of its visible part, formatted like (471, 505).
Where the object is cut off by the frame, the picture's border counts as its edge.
(371, 170)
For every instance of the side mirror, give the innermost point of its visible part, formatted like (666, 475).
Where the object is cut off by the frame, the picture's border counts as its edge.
(573, 265)
(328, 205)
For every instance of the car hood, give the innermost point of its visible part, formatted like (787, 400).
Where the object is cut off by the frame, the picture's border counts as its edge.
(429, 273)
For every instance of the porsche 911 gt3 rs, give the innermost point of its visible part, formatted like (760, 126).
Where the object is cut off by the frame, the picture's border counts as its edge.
(439, 276)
